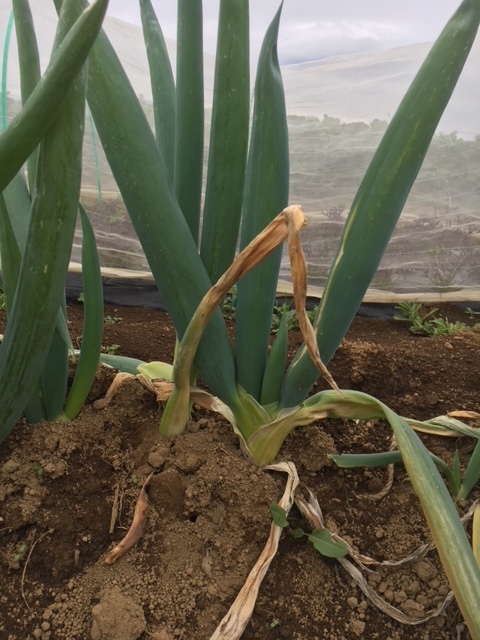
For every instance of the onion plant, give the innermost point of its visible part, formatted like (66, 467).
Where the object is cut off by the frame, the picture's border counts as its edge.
(37, 223)
(159, 177)
(246, 203)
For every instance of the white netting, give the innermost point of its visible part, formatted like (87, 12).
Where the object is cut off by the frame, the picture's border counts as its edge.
(435, 247)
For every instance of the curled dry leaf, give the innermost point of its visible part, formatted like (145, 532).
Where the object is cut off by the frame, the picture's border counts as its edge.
(466, 415)
(200, 397)
(136, 528)
(298, 269)
(233, 624)
(313, 513)
(286, 225)
(112, 390)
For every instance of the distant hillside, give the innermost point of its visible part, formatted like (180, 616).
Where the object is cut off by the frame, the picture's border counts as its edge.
(360, 87)
(338, 111)
(363, 87)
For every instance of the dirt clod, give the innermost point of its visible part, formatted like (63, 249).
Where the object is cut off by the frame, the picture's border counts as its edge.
(117, 617)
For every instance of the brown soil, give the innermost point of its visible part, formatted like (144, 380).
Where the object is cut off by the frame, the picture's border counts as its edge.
(208, 517)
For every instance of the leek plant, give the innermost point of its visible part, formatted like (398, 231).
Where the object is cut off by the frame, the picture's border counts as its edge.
(246, 187)
(246, 203)
(37, 223)
(159, 176)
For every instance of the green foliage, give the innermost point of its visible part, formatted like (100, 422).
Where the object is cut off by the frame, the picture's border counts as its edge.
(37, 226)
(19, 555)
(427, 324)
(278, 515)
(111, 349)
(471, 313)
(285, 310)
(321, 539)
(38, 469)
(229, 305)
(459, 486)
(165, 213)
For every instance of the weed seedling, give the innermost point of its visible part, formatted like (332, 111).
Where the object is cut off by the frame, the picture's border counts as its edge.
(19, 555)
(321, 539)
(38, 469)
(427, 324)
(471, 313)
(111, 349)
(290, 316)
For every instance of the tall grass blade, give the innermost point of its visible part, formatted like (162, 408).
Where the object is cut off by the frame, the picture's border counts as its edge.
(383, 192)
(11, 256)
(372, 460)
(92, 333)
(189, 120)
(19, 205)
(472, 474)
(248, 413)
(266, 194)
(276, 363)
(142, 177)
(228, 140)
(29, 62)
(45, 262)
(54, 377)
(11, 264)
(163, 84)
(28, 128)
(18, 208)
(445, 526)
(476, 535)
(40, 406)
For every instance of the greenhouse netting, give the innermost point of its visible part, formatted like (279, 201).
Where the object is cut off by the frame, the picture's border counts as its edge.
(338, 109)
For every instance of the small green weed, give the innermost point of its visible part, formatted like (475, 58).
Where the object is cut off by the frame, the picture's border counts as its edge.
(290, 316)
(112, 319)
(38, 469)
(321, 539)
(111, 349)
(427, 324)
(20, 554)
(471, 313)
(17, 557)
(229, 306)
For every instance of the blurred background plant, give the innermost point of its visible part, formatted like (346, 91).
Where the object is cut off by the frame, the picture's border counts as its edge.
(37, 223)
(427, 323)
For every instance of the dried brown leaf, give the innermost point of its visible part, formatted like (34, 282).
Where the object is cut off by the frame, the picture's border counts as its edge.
(313, 513)
(299, 280)
(136, 528)
(112, 390)
(467, 415)
(233, 624)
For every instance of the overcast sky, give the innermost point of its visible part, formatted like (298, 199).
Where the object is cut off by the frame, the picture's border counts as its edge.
(313, 29)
